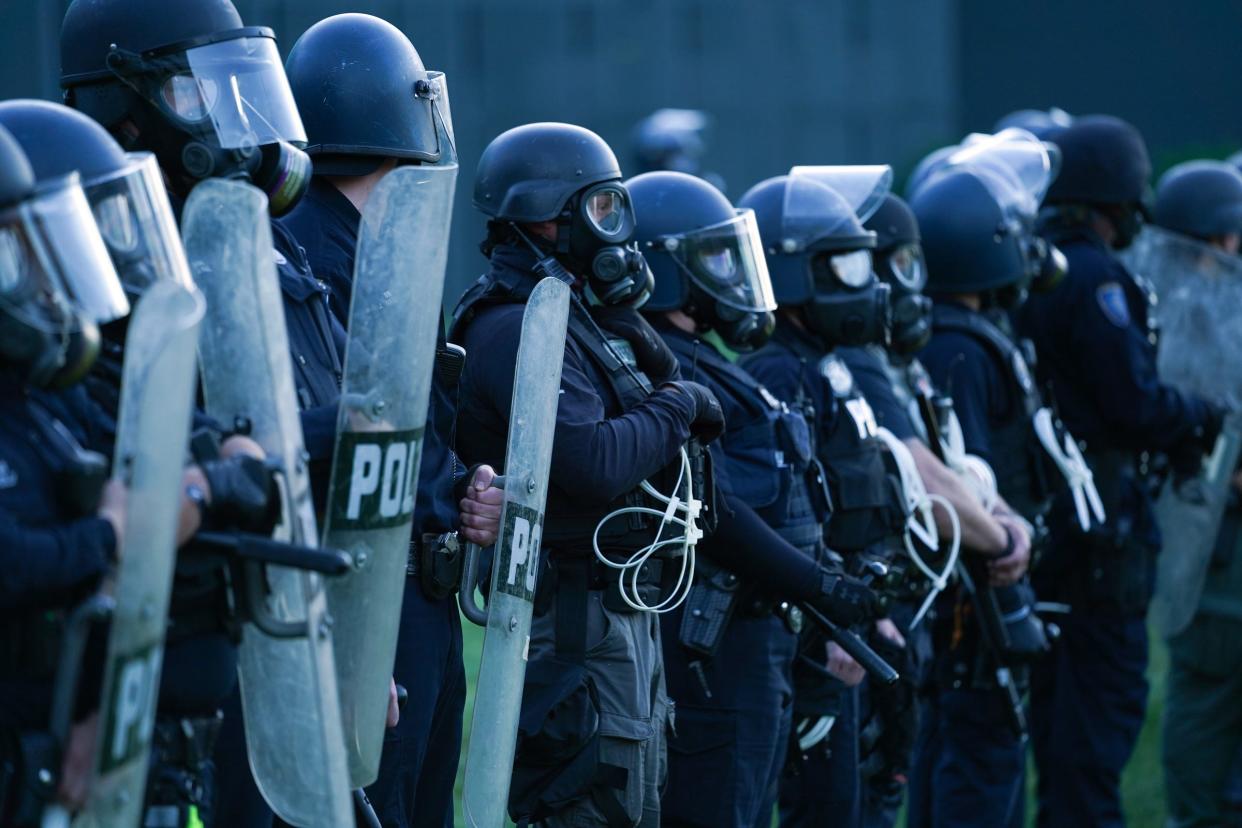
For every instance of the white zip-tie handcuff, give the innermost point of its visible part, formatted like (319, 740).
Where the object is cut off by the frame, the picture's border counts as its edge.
(921, 523)
(1068, 458)
(677, 512)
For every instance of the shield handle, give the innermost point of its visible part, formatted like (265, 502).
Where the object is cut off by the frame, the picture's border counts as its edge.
(474, 611)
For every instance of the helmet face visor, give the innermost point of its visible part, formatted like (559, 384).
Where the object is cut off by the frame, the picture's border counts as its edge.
(827, 204)
(726, 261)
(54, 267)
(137, 224)
(234, 90)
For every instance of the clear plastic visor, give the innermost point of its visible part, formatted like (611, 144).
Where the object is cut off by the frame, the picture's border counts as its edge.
(726, 260)
(240, 87)
(1015, 156)
(54, 266)
(831, 202)
(138, 227)
(437, 97)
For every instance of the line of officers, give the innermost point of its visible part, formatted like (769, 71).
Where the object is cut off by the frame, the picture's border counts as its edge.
(873, 466)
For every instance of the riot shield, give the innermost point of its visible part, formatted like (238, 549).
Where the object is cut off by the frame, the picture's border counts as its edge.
(532, 421)
(288, 684)
(395, 312)
(157, 395)
(1199, 292)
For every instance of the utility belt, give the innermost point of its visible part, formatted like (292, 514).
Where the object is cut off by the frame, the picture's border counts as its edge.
(576, 572)
(437, 562)
(181, 784)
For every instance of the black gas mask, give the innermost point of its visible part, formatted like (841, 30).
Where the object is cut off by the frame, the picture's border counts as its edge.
(1047, 264)
(593, 235)
(1127, 220)
(902, 267)
(219, 107)
(849, 306)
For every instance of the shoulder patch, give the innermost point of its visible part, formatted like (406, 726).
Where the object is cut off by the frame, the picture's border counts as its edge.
(1111, 298)
(838, 376)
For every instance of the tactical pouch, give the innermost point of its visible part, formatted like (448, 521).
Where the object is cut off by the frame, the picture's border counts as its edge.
(29, 771)
(440, 565)
(707, 610)
(182, 774)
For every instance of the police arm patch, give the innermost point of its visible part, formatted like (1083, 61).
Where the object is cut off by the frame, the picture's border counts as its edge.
(1111, 298)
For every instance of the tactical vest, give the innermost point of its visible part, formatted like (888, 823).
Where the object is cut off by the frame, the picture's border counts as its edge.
(1022, 467)
(770, 455)
(629, 387)
(868, 507)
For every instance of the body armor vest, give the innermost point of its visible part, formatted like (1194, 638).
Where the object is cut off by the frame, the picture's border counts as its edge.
(1023, 469)
(614, 358)
(770, 454)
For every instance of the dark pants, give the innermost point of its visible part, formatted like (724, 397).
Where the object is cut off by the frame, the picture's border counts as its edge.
(969, 767)
(824, 789)
(1202, 720)
(736, 738)
(1087, 704)
(419, 762)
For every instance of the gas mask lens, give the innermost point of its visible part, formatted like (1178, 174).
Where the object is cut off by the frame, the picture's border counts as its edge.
(906, 266)
(189, 98)
(852, 269)
(719, 264)
(116, 223)
(605, 210)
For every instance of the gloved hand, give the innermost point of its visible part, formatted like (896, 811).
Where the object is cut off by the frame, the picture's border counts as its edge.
(652, 354)
(707, 423)
(243, 495)
(845, 600)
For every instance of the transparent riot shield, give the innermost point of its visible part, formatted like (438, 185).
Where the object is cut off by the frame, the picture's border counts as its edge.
(1199, 293)
(395, 312)
(532, 420)
(288, 682)
(157, 397)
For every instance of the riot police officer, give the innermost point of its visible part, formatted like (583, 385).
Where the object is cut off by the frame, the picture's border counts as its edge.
(557, 206)
(977, 229)
(1099, 354)
(356, 79)
(61, 522)
(1198, 208)
(727, 654)
(819, 256)
(231, 490)
(209, 97)
(674, 140)
(898, 387)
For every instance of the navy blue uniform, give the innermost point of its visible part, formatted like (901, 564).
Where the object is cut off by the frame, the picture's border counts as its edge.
(735, 707)
(823, 788)
(419, 762)
(873, 380)
(1096, 350)
(970, 766)
(612, 432)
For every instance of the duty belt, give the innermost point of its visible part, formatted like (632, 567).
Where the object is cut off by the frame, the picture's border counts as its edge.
(436, 561)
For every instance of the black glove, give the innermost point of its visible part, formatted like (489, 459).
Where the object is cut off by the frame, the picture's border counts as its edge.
(652, 354)
(708, 422)
(244, 495)
(845, 600)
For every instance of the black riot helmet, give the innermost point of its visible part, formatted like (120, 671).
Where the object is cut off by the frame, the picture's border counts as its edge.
(898, 261)
(976, 235)
(568, 175)
(707, 257)
(125, 191)
(819, 253)
(57, 284)
(1201, 199)
(365, 96)
(1104, 168)
(190, 83)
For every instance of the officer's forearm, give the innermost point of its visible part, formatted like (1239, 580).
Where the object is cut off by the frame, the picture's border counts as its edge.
(980, 532)
(749, 547)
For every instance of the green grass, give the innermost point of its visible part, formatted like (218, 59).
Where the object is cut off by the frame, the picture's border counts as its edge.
(1142, 785)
